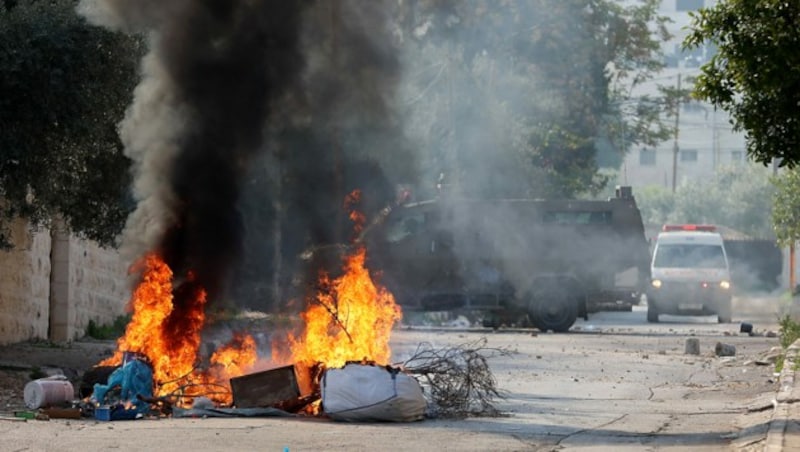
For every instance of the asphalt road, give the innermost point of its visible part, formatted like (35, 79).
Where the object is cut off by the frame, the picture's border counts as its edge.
(614, 383)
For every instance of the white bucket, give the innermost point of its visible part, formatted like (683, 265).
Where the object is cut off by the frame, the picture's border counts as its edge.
(45, 392)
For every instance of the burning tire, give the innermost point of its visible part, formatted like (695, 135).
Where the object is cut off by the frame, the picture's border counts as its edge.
(95, 375)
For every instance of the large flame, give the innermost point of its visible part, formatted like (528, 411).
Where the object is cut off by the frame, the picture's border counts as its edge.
(165, 328)
(349, 319)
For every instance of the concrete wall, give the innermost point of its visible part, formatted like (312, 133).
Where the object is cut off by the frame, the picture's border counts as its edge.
(52, 284)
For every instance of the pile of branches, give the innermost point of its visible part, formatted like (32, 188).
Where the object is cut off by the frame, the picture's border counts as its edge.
(457, 380)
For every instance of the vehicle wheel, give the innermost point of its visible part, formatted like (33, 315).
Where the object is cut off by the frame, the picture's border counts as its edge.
(652, 312)
(553, 309)
(724, 313)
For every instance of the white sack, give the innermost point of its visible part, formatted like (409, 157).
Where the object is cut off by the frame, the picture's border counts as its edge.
(359, 392)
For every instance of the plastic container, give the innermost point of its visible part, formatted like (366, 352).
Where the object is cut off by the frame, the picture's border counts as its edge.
(46, 392)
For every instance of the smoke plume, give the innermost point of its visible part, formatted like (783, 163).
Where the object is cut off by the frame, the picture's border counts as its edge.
(214, 71)
(221, 79)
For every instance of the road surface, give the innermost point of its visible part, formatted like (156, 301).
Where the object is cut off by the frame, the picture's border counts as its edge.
(614, 383)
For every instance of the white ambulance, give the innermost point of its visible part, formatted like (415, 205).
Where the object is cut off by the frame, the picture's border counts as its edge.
(690, 273)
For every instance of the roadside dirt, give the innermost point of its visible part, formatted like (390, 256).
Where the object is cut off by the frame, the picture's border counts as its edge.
(23, 362)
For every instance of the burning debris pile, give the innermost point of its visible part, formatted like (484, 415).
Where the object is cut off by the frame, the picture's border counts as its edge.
(348, 321)
(336, 366)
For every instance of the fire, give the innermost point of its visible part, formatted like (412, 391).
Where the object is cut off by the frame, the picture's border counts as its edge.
(349, 319)
(165, 328)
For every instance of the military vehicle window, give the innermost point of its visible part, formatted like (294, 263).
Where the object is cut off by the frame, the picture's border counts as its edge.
(403, 227)
(577, 217)
(689, 256)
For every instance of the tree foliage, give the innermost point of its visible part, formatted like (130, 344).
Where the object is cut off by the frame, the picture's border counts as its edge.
(755, 75)
(516, 98)
(65, 87)
(734, 197)
(786, 206)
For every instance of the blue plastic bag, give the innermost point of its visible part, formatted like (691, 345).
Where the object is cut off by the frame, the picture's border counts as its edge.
(135, 378)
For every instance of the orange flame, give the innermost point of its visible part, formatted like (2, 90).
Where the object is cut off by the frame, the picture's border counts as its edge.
(350, 319)
(165, 328)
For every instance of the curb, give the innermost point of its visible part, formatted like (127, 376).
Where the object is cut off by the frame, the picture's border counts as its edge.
(786, 395)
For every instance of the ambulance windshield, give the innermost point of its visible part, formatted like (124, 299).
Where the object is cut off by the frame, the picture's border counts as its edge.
(689, 255)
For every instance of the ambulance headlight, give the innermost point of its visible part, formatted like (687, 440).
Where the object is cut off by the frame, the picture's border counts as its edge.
(656, 283)
(724, 285)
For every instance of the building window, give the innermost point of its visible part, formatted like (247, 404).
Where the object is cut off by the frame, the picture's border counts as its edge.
(693, 107)
(647, 157)
(689, 155)
(737, 156)
(688, 5)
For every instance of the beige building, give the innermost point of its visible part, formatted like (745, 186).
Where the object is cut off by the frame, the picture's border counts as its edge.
(52, 284)
(705, 139)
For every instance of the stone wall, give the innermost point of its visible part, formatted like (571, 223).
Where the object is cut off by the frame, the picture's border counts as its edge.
(25, 285)
(52, 284)
(96, 287)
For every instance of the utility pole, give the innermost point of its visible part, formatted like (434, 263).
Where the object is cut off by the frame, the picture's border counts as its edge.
(675, 147)
(715, 139)
(453, 179)
(792, 277)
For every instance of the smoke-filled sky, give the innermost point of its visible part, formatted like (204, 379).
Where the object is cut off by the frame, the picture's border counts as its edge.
(325, 91)
(219, 76)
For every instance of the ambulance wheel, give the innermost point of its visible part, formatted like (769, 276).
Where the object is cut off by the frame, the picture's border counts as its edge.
(652, 313)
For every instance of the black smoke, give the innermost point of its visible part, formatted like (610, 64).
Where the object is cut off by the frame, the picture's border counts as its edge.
(227, 80)
(214, 73)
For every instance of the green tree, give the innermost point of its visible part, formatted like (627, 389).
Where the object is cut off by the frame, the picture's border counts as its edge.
(516, 98)
(786, 206)
(65, 87)
(755, 74)
(736, 197)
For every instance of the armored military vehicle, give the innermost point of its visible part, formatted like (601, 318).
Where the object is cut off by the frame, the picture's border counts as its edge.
(544, 261)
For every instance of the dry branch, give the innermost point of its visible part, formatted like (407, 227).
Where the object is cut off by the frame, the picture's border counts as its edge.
(457, 380)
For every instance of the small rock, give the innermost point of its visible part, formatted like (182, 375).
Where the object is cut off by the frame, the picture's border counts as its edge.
(772, 334)
(692, 346)
(725, 349)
